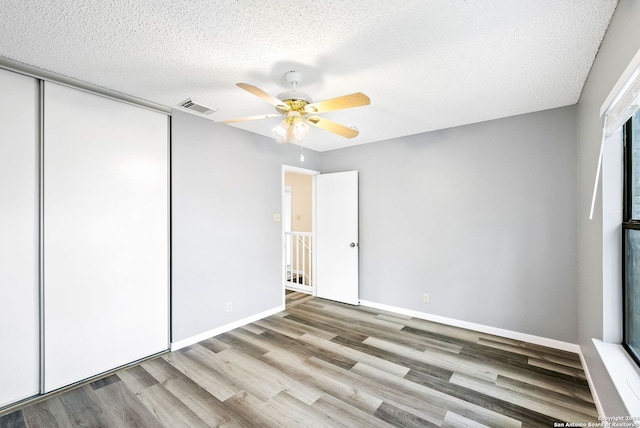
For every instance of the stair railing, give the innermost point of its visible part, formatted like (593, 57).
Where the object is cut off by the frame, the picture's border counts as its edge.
(299, 259)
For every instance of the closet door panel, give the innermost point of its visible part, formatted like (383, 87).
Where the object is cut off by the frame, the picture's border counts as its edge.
(19, 223)
(105, 234)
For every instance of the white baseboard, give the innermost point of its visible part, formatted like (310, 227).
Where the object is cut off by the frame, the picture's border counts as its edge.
(223, 329)
(537, 340)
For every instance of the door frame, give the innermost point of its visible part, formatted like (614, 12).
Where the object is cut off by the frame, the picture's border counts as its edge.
(313, 174)
(287, 221)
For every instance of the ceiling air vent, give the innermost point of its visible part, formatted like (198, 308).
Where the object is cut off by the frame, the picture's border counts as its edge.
(200, 108)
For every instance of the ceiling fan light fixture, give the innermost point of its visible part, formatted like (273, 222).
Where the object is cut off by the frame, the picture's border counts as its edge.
(300, 129)
(293, 128)
(280, 131)
(289, 136)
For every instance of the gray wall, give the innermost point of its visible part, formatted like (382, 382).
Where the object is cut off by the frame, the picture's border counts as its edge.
(620, 44)
(226, 246)
(481, 217)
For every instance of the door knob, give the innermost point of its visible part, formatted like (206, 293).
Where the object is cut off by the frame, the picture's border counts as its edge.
(353, 244)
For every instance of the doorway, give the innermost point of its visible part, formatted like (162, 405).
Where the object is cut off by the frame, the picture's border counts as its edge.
(298, 229)
(320, 248)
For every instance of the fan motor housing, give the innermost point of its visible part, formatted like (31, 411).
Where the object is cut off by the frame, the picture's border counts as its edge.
(295, 100)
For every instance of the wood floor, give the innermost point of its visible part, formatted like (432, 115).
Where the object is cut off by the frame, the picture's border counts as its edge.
(324, 364)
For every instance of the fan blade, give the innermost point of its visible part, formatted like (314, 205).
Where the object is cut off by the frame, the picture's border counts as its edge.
(248, 118)
(334, 127)
(262, 94)
(346, 101)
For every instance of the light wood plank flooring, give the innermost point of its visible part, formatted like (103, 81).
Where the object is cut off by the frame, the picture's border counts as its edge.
(325, 364)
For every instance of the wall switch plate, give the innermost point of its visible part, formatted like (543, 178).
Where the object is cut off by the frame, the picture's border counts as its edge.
(229, 307)
(425, 298)
(277, 217)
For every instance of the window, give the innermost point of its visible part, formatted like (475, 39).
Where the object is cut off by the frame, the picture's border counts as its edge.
(631, 237)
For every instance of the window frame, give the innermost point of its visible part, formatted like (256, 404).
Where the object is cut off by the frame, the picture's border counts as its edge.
(628, 223)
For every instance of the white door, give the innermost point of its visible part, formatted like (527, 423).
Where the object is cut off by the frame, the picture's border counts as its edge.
(337, 236)
(19, 262)
(105, 234)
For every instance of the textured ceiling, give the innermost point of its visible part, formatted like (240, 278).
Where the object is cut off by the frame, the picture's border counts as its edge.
(426, 65)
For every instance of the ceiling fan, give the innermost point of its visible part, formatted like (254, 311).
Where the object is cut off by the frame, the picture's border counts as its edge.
(299, 111)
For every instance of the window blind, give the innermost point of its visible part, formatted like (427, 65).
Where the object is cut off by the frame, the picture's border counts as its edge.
(624, 105)
(618, 107)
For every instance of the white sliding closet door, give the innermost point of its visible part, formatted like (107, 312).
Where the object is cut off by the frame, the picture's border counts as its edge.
(19, 302)
(105, 234)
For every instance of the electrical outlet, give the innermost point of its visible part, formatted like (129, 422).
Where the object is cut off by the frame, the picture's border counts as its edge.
(229, 307)
(425, 298)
